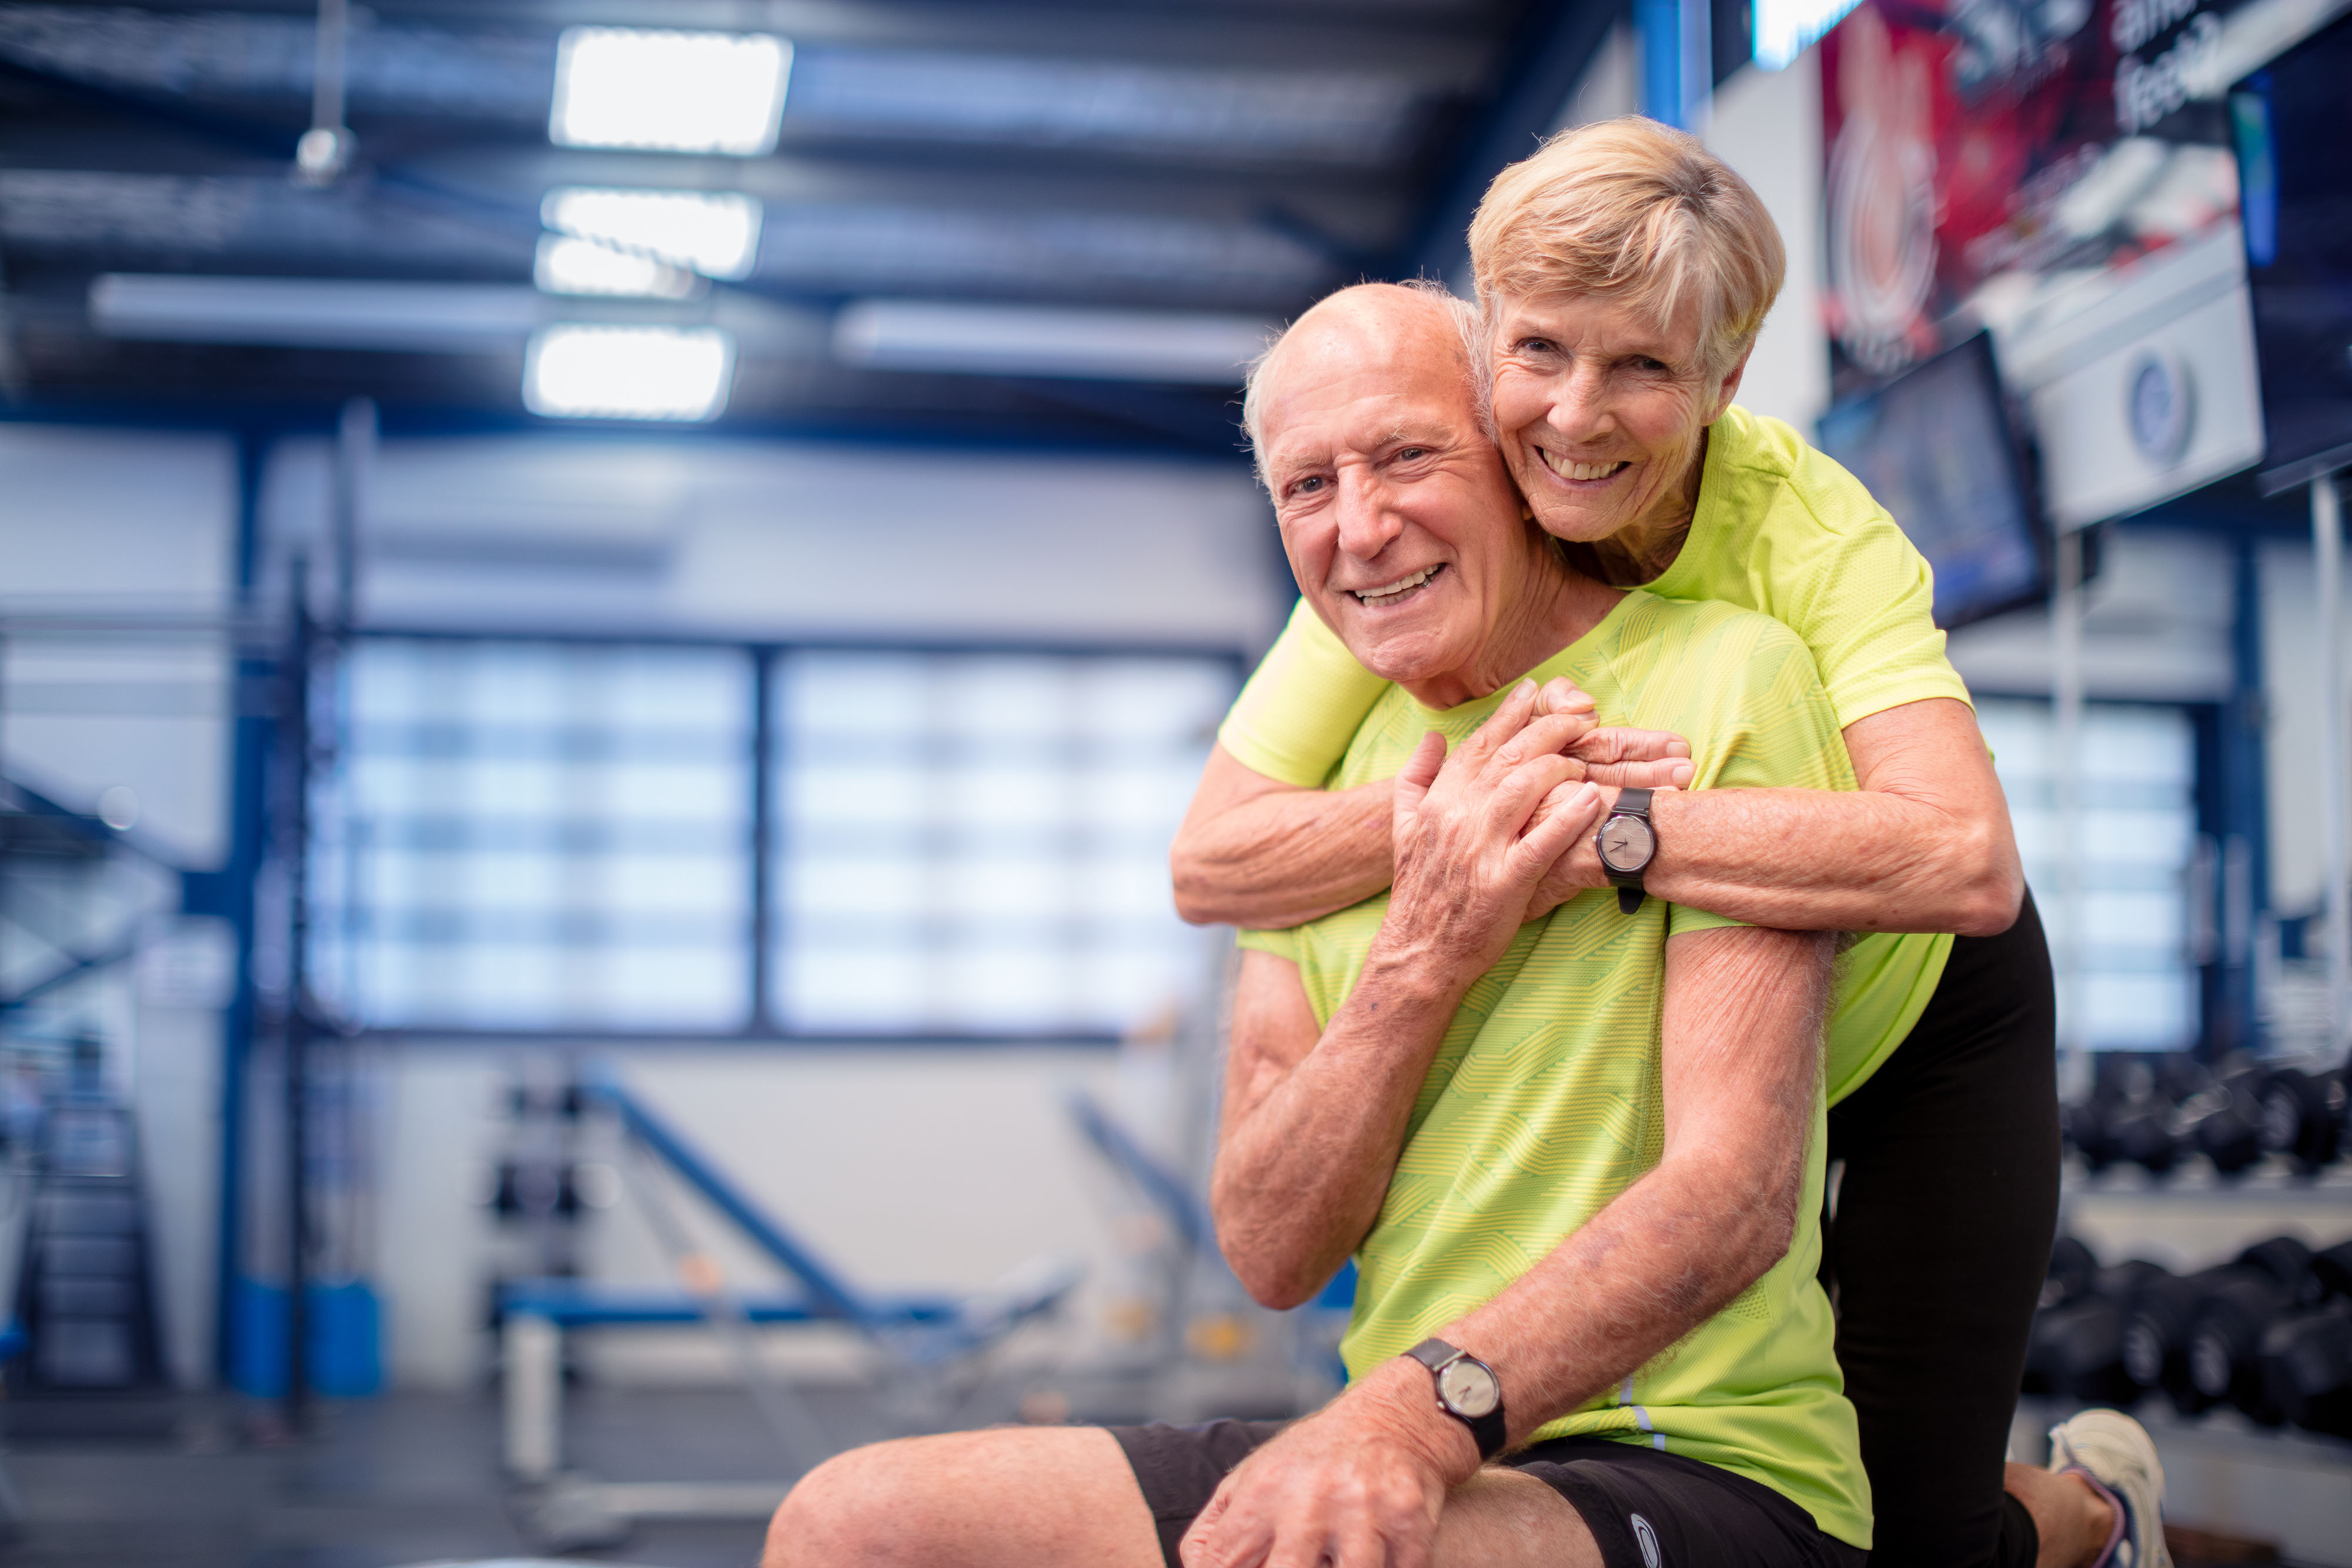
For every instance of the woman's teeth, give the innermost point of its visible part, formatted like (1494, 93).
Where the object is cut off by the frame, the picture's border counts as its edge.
(1582, 470)
(1403, 585)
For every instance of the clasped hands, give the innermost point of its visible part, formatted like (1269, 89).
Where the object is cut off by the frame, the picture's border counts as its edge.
(1542, 761)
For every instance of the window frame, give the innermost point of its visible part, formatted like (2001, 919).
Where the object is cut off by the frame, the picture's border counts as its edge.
(761, 843)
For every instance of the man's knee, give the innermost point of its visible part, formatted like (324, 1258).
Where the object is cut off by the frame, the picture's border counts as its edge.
(862, 1507)
(1010, 1498)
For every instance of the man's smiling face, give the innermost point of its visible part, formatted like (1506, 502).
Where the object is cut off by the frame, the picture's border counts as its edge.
(1395, 510)
(1600, 410)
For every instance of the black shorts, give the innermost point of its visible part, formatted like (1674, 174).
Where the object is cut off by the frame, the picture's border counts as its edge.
(1645, 1509)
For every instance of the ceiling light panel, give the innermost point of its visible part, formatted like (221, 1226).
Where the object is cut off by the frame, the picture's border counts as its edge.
(628, 372)
(1044, 341)
(933, 250)
(714, 233)
(567, 266)
(669, 93)
(1320, 117)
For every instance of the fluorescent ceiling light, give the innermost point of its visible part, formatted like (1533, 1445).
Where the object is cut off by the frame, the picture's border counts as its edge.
(567, 266)
(716, 232)
(672, 92)
(628, 372)
(1041, 341)
(1787, 28)
(312, 312)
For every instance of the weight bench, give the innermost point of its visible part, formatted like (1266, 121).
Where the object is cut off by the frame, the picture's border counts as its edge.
(920, 1337)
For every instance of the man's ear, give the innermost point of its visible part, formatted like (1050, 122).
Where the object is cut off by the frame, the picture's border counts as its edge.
(1730, 386)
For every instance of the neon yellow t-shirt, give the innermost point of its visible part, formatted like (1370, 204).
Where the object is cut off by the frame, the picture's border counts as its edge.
(1544, 1102)
(1780, 528)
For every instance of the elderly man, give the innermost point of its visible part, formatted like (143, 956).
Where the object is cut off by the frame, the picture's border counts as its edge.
(1578, 1159)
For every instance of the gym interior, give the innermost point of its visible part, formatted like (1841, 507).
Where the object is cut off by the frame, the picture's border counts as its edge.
(609, 608)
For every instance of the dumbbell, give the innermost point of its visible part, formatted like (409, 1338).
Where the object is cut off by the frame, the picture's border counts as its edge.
(2306, 1367)
(2265, 1285)
(2076, 1346)
(2156, 1338)
(2223, 1120)
(2303, 1117)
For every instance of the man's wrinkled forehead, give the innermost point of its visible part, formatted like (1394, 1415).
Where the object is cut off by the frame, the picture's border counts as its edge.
(1407, 348)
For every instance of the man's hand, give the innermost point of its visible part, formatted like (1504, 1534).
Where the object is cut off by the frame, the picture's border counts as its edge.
(1475, 831)
(1358, 1484)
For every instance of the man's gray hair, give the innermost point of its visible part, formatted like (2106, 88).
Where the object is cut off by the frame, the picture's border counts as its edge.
(1469, 322)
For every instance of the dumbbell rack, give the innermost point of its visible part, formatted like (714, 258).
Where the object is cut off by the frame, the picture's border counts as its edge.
(2223, 1472)
(2193, 1216)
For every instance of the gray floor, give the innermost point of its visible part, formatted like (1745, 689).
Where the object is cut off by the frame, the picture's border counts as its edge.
(408, 1479)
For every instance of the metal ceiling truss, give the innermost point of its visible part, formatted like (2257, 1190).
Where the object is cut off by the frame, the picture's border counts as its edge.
(1121, 153)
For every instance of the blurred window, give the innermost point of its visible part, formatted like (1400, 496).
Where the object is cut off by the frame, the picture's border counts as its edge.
(2137, 984)
(534, 835)
(546, 836)
(977, 843)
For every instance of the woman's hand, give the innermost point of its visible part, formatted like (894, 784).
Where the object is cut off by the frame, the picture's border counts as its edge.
(1475, 831)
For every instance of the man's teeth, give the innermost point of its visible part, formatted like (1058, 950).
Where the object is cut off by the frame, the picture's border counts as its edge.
(1402, 585)
(1582, 470)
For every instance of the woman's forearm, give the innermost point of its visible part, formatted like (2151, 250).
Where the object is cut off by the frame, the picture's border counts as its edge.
(1815, 860)
(1280, 859)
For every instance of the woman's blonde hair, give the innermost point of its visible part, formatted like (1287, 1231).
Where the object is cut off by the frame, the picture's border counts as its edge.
(1636, 211)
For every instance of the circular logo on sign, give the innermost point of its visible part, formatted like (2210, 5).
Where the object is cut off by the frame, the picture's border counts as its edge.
(2161, 404)
(1648, 1540)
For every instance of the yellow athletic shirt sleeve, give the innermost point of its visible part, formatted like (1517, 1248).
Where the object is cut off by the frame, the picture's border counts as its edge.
(1781, 527)
(1298, 712)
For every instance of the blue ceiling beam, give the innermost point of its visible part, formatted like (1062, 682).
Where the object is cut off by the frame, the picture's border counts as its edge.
(1549, 53)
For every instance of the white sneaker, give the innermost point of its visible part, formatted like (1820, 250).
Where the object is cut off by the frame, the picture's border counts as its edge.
(2113, 1451)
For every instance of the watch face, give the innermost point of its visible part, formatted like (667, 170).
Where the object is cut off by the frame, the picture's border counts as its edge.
(1468, 1389)
(1626, 844)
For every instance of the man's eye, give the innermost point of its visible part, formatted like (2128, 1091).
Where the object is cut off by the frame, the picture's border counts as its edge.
(1414, 453)
(1307, 485)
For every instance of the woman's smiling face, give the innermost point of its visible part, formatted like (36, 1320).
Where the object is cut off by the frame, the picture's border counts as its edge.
(1602, 412)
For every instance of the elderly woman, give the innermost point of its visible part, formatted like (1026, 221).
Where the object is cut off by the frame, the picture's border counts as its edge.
(1624, 273)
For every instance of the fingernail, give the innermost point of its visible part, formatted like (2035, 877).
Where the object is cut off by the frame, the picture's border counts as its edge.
(1526, 687)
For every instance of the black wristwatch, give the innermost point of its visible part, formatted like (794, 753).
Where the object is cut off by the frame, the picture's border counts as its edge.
(1467, 1390)
(1627, 843)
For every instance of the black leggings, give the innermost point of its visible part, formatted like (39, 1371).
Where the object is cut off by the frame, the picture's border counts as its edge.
(1944, 1221)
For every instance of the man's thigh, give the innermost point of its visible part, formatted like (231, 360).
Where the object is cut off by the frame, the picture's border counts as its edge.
(1576, 1503)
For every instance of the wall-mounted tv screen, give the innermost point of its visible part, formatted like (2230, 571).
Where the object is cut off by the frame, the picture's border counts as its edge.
(1934, 444)
(2294, 162)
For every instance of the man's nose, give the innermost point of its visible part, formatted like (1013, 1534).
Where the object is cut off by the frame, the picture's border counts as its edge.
(1367, 521)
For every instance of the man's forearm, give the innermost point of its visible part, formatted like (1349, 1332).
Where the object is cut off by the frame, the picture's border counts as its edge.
(1286, 858)
(1302, 1169)
(1669, 1253)
(1740, 1065)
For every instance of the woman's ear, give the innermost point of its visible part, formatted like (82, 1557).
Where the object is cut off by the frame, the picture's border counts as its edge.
(1731, 384)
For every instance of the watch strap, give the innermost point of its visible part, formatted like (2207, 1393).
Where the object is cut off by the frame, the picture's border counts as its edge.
(1489, 1431)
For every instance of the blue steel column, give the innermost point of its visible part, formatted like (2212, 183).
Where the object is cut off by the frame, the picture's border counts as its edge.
(2244, 814)
(230, 892)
